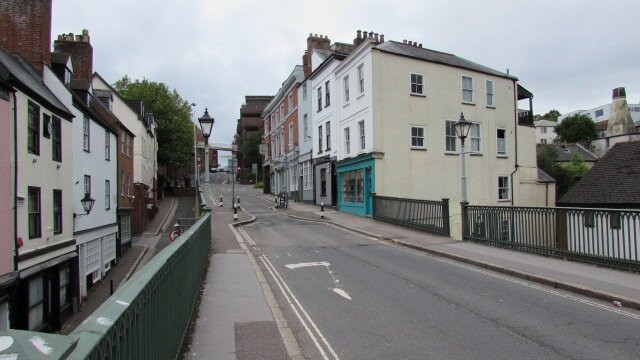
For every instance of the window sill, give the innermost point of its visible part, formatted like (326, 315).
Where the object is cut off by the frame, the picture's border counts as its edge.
(346, 104)
(359, 96)
(502, 156)
(491, 107)
(475, 154)
(87, 151)
(468, 103)
(451, 153)
(504, 200)
(419, 148)
(418, 95)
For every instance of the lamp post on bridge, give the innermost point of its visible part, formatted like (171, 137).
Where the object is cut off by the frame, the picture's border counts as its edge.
(206, 123)
(462, 127)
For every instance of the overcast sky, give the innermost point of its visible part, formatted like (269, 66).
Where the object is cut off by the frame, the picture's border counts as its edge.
(570, 54)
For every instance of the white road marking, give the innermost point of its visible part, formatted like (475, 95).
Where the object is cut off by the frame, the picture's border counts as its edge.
(342, 293)
(295, 310)
(311, 322)
(307, 264)
(5, 342)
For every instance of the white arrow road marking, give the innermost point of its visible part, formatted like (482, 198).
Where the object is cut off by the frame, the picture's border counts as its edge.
(5, 342)
(342, 293)
(41, 345)
(308, 264)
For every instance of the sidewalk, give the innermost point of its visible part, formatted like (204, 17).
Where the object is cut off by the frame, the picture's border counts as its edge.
(129, 262)
(602, 283)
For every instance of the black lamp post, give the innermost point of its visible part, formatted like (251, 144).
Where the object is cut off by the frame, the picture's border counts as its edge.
(462, 127)
(206, 124)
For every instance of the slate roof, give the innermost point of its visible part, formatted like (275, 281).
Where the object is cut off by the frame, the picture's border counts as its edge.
(614, 181)
(19, 73)
(438, 57)
(545, 123)
(564, 152)
(543, 177)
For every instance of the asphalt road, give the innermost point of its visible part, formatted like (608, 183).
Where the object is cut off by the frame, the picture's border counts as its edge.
(351, 297)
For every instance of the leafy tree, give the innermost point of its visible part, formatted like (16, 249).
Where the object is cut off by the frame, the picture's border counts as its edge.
(172, 115)
(251, 150)
(551, 115)
(577, 129)
(565, 176)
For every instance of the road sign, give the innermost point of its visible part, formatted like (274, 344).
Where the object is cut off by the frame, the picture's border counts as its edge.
(233, 163)
(254, 168)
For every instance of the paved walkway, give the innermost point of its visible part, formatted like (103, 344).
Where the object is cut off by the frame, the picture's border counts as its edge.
(234, 319)
(598, 282)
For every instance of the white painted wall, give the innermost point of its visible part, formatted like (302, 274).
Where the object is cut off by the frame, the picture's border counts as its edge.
(327, 113)
(359, 107)
(41, 171)
(602, 112)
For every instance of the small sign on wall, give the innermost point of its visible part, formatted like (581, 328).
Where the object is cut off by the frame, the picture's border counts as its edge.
(329, 168)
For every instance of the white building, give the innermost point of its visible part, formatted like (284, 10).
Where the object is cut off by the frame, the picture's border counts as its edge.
(46, 249)
(94, 175)
(397, 103)
(545, 131)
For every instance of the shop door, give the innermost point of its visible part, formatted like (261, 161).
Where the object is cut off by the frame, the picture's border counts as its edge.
(367, 191)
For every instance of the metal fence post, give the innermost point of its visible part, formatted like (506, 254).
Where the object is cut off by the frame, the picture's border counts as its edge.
(445, 217)
(464, 219)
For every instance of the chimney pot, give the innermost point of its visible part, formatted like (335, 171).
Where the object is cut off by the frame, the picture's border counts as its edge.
(370, 34)
(619, 92)
(315, 35)
(366, 34)
(376, 36)
(85, 32)
(382, 38)
(359, 36)
(404, 41)
(78, 38)
(420, 46)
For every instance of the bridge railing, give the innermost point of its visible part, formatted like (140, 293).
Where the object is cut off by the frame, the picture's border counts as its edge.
(146, 318)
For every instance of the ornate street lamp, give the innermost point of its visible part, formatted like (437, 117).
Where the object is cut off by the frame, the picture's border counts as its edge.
(462, 127)
(206, 124)
(87, 203)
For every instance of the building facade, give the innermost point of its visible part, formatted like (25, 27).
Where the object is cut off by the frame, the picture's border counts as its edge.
(250, 128)
(397, 104)
(280, 123)
(545, 131)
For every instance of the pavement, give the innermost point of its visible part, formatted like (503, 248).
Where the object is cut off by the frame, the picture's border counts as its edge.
(143, 247)
(585, 279)
(236, 316)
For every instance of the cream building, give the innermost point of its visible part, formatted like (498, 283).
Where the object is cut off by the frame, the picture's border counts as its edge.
(397, 103)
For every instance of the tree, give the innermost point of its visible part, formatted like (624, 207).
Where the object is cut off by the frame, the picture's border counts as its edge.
(565, 176)
(251, 149)
(172, 115)
(577, 129)
(552, 115)
(576, 168)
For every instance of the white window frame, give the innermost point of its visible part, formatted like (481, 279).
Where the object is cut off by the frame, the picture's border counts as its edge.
(362, 134)
(86, 134)
(107, 145)
(421, 84)
(448, 136)
(319, 139)
(360, 70)
(498, 153)
(282, 112)
(508, 187)
(345, 85)
(305, 123)
(319, 103)
(290, 102)
(462, 92)
(107, 195)
(423, 137)
(327, 133)
(290, 136)
(327, 94)
(490, 96)
(347, 140)
(478, 138)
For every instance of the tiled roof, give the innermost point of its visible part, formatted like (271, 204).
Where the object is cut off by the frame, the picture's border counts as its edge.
(17, 72)
(614, 180)
(415, 52)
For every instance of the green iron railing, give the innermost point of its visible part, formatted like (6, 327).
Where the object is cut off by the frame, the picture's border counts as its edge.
(607, 237)
(424, 215)
(146, 318)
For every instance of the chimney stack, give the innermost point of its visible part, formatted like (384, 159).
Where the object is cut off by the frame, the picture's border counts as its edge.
(81, 53)
(620, 121)
(313, 42)
(382, 38)
(25, 29)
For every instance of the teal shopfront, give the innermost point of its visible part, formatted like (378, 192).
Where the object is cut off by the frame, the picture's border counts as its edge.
(356, 182)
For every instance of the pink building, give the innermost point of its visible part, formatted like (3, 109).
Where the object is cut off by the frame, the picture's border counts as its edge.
(7, 270)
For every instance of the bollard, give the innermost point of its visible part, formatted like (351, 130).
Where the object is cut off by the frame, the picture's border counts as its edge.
(220, 200)
(235, 213)
(322, 209)
(238, 200)
(276, 201)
